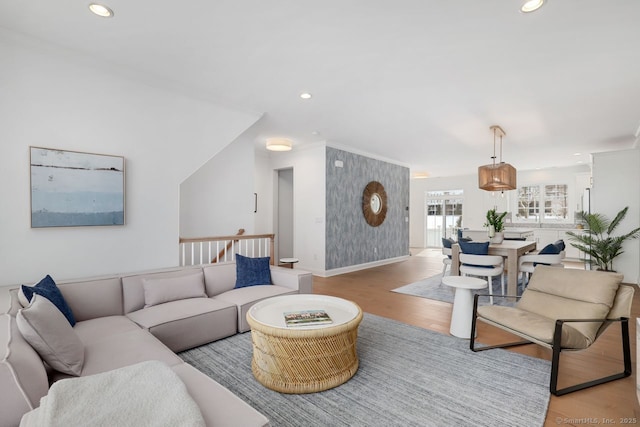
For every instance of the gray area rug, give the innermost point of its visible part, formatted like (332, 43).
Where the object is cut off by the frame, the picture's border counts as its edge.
(408, 376)
(433, 288)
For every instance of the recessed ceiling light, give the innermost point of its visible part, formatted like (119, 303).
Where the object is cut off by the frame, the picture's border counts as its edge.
(531, 5)
(305, 95)
(577, 154)
(101, 10)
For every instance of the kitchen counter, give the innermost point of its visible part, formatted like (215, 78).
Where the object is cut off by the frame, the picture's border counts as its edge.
(509, 233)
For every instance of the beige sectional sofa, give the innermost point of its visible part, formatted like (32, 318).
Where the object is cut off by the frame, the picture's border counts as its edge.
(118, 327)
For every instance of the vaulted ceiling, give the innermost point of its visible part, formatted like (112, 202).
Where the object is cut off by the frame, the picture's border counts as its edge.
(417, 81)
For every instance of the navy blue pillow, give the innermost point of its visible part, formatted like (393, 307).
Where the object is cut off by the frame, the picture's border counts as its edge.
(252, 271)
(560, 244)
(550, 249)
(48, 289)
(474, 248)
(446, 243)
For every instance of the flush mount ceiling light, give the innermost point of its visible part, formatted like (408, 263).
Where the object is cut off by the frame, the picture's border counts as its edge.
(101, 10)
(420, 175)
(278, 144)
(531, 6)
(497, 176)
(305, 95)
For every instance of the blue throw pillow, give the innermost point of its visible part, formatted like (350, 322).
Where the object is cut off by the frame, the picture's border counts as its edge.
(48, 289)
(550, 249)
(560, 244)
(474, 248)
(252, 271)
(446, 243)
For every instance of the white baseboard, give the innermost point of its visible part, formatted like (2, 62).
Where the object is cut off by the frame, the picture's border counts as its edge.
(351, 268)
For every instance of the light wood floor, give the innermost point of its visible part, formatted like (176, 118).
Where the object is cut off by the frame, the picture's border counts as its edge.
(613, 403)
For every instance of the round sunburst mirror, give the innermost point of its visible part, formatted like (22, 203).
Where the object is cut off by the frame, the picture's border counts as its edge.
(374, 203)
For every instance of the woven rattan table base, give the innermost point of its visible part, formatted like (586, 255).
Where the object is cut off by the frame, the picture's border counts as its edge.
(304, 360)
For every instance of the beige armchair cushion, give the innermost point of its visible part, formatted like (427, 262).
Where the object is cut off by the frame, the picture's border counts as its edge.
(537, 327)
(582, 285)
(554, 294)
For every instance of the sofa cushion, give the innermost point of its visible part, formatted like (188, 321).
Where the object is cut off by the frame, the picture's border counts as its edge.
(92, 330)
(252, 271)
(143, 394)
(161, 290)
(219, 406)
(49, 333)
(188, 323)
(244, 298)
(219, 278)
(48, 289)
(133, 287)
(120, 350)
(91, 299)
(22, 374)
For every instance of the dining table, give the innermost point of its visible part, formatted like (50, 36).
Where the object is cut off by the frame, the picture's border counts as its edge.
(511, 249)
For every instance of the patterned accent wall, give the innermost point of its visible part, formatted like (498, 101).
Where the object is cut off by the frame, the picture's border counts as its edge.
(349, 239)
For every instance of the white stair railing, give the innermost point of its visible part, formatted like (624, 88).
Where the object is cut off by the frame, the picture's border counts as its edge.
(219, 249)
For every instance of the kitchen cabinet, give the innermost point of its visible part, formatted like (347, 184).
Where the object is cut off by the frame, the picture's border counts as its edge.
(544, 236)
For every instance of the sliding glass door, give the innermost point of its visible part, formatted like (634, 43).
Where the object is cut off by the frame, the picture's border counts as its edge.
(443, 215)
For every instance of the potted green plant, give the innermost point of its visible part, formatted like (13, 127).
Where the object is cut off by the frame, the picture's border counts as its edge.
(495, 222)
(597, 240)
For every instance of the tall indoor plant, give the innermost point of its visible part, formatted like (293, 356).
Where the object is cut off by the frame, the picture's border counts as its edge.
(596, 240)
(495, 222)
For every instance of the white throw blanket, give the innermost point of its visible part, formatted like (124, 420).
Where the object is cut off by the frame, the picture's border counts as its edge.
(145, 394)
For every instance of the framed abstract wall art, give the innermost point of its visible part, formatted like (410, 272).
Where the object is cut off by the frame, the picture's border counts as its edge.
(70, 188)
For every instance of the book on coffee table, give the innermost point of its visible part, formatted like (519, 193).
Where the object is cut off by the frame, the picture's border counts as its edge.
(306, 317)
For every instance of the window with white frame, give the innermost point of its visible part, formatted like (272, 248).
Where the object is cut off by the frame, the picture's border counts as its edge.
(529, 203)
(540, 203)
(556, 202)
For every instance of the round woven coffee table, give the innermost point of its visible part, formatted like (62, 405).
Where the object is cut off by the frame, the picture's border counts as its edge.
(308, 358)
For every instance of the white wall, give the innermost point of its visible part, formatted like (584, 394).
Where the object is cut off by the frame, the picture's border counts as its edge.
(615, 185)
(475, 205)
(218, 199)
(52, 98)
(309, 195)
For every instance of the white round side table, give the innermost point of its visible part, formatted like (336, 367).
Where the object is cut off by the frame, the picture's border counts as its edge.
(463, 303)
(289, 261)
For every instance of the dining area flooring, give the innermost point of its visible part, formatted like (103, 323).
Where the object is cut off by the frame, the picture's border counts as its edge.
(613, 403)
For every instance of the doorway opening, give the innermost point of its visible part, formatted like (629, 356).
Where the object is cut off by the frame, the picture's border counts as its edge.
(443, 212)
(284, 215)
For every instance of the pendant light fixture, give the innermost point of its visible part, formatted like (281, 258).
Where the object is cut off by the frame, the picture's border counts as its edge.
(497, 176)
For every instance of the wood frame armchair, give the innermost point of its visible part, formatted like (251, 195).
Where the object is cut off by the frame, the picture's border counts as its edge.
(563, 310)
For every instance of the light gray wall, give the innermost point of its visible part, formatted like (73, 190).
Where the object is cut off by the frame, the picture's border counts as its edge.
(350, 240)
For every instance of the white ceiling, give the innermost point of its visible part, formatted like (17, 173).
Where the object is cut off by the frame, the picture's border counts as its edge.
(416, 81)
